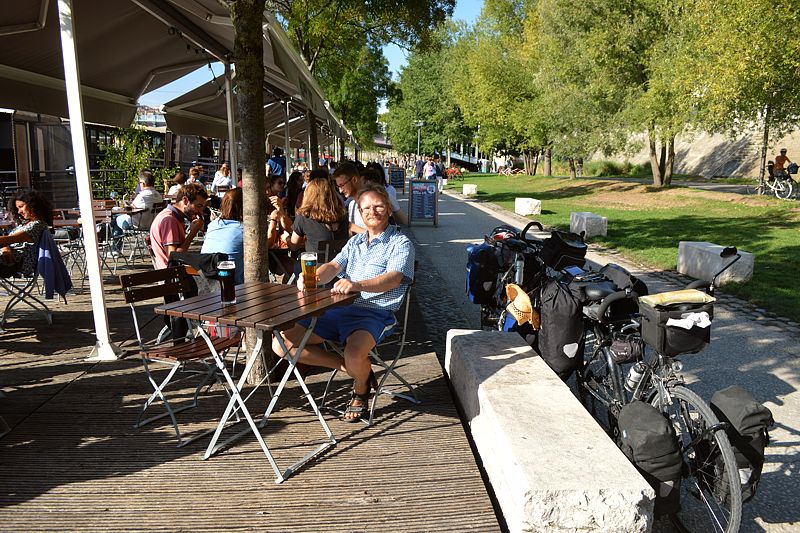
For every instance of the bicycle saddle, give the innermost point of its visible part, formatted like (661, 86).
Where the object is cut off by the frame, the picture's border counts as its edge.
(598, 291)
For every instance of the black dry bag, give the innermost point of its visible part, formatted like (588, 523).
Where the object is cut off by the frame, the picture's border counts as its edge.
(648, 440)
(748, 421)
(482, 270)
(560, 341)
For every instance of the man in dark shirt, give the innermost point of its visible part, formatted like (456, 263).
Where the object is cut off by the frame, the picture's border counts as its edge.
(277, 163)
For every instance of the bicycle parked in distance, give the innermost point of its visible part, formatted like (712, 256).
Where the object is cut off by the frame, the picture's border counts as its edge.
(781, 185)
(510, 171)
(615, 339)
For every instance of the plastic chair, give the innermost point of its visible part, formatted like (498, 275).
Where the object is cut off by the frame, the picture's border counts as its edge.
(175, 355)
(396, 336)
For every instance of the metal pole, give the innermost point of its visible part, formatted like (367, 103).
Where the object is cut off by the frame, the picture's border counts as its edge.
(419, 129)
(287, 139)
(104, 349)
(231, 129)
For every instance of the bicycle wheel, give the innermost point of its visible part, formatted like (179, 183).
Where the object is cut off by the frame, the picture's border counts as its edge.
(599, 384)
(709, 465)
(783, 189)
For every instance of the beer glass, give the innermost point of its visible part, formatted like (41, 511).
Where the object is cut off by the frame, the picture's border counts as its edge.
(226, 270)
(308, 262)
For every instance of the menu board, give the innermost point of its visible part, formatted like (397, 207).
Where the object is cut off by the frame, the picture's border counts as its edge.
(423, 201)
(397, 178)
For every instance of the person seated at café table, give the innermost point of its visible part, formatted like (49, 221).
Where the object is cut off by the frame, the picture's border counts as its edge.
(379, 265)
(226, 233)
(168, 233)
(148, 197)
(33, 214)
(321, 217)
(374, 174)
(280, 225)
(194, 175)
(348, 181)
(178, 180)
(222, 178)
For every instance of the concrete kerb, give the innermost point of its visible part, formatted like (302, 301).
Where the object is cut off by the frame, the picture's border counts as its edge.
(551, 466)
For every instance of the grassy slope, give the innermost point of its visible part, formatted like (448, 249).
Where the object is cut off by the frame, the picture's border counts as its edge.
(646, 224)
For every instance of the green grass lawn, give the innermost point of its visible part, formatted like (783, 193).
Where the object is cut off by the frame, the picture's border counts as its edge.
(646, 224)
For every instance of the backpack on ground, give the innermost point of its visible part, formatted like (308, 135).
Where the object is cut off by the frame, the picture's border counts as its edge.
(482, 271)
(648, 440)
(560, 339)
(748, 423)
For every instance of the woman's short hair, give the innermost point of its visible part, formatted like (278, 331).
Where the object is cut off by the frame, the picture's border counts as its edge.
(321, 203)
(194, 170)
(37, 203)
(231, 207)
(179, 178)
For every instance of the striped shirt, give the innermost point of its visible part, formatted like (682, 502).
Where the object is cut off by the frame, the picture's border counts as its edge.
(391, 251)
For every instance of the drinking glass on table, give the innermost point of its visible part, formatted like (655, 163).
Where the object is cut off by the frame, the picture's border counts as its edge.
(308, 264)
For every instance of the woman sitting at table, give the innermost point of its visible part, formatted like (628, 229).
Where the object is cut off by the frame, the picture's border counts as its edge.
(177, 182)
(226, 233)
(223, 179)
(280, 227)
(33, 214)
(321, 217)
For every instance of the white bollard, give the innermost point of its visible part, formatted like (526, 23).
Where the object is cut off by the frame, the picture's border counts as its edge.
(589, 222)
(527, 206)
(469, 189)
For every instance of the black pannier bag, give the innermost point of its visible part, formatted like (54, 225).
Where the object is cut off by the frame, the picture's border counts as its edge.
(560, 339)
(623, 280)
(563, 249)
(648, 440)
(748, 421)
(674, 340)
(482, 271)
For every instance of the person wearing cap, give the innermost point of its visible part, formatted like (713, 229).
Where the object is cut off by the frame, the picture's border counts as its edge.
(781, 162)
(378, 264)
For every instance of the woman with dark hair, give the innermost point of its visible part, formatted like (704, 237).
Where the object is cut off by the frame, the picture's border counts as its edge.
(294, 193)
(177, 182)
(33, 214)
(226, 233)
(321, 217)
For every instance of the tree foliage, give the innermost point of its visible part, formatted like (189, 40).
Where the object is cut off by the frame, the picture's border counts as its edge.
(132, 151)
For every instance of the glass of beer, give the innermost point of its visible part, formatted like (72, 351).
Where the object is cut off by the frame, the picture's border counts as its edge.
(308, 262)
(226, 270)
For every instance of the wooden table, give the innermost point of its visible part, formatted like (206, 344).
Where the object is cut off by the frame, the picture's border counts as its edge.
(267, 308)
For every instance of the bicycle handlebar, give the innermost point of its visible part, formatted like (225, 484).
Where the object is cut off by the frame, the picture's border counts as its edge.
(524, 233)
(610, 299)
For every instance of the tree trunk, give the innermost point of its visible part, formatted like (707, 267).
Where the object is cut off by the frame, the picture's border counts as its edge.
(536, 160)
(526, 159)
(654, 164)
(248, 56)
(313, 140)
(548, 161)
(571, 168)
(762, 173)
(669, 165)
(662, 160)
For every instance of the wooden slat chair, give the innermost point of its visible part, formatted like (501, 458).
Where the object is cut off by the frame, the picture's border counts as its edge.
(327, 250)
(396, 336)
(177, 356)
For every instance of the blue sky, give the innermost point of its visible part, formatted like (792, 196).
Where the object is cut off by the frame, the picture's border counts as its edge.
(466, 10)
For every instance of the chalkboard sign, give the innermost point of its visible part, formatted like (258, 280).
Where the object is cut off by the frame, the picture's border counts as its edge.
(397, 178)
(423, 201)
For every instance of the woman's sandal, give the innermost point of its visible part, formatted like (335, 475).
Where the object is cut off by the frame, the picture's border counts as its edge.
(359, 410)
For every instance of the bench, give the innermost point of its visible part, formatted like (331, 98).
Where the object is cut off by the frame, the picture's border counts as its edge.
(589, 222)
(701, 260)
(527, 206)
(550, 464)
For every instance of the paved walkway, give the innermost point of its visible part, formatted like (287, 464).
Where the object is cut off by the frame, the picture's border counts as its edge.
(750, 348)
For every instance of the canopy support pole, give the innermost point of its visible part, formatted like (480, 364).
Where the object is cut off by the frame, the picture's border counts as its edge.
(231, 130)
(287, 138)
(104, 349)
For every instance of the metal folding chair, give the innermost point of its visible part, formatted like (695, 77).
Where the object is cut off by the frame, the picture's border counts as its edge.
(175, 355)
(136, 235)
(20, 289)
(396, 336)
(327, 250)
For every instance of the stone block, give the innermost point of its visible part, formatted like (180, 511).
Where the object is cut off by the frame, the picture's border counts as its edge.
(701, 260)
(469, 189)
(527, 206)
(550, 464)
(589, 222)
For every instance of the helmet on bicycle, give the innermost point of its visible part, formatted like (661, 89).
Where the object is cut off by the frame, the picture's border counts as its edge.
(503, 232)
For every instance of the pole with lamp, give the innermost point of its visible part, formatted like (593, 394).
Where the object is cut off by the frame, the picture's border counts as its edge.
(419, 125)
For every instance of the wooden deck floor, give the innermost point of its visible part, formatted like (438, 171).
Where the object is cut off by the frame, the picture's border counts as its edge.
(73, 462)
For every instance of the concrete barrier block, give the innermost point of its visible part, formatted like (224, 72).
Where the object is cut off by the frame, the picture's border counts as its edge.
(589, 222)
(701, 260)
(550, 464)
(469, 189)
(527, 206)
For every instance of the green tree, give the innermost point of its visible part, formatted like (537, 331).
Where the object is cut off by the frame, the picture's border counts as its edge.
(132, 151)
(421, 95)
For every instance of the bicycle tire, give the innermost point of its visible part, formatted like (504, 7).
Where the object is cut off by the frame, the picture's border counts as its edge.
(701, 508)
(595, 382)
(783, 189)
